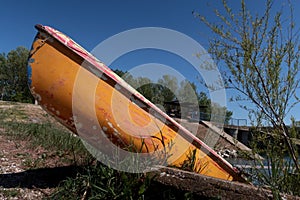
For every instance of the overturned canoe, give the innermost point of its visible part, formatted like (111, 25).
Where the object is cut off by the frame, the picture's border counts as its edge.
(96, 104)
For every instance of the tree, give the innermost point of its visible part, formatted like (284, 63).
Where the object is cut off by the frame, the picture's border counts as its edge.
(2, 77)
(13, 73)
(168, 89)
(206, 109)
(260, 59)
(158, 93)
(187, 92)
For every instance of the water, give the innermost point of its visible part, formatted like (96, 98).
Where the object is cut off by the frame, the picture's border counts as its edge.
(251, 168)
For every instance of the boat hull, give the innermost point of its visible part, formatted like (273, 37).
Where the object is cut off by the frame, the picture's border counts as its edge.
(88, 98)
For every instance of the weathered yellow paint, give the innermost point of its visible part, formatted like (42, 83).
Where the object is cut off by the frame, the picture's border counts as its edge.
(57, 75)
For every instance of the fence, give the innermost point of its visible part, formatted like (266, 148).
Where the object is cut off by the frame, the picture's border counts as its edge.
(218, 119)
(237, 122)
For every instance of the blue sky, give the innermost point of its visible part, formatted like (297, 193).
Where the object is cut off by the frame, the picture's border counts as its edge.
(89, 22)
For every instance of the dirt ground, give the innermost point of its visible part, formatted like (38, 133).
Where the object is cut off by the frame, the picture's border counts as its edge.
(13, 156)
(27, 172)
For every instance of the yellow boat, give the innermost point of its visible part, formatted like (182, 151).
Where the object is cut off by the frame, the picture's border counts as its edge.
(96, 104)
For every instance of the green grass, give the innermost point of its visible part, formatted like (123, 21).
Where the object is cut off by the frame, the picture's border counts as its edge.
(101, 182)
(93, 180)
(47, 136)
(15, 111)
(10, 193)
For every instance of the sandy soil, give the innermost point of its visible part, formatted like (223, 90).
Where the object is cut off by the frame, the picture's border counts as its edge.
(27, 172)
